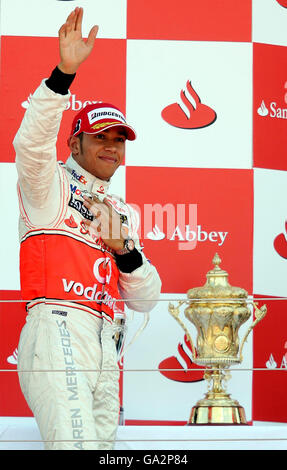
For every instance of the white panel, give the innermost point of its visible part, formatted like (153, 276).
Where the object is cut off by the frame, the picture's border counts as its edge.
(118, 183)
(44, 17)
(152, 396)
(221, 75)
(270, 215)
(269, 22)
(9, 241)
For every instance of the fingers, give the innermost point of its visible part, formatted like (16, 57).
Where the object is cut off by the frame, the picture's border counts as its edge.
(78, 18)
(73, 22)
(92, 36)
(93, 206)
(106, 220)
(70, 22)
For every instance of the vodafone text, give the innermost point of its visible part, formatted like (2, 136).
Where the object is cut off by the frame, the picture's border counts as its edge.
(90, 292)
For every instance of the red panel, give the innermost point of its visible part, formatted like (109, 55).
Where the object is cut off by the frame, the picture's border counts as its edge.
(270, 106)
(270, 353)
(28, 60)
(225, 204)
(12, 319)
(207, 20)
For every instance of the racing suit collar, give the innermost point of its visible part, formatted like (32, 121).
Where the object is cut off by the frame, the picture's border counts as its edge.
(87, 181)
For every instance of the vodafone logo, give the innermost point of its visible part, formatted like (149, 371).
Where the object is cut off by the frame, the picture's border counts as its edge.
(181, 368)
(280, 243)
(102, 271)
(106, 262)
(189, 113)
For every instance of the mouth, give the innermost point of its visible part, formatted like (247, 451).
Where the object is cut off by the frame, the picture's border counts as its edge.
(108, 159)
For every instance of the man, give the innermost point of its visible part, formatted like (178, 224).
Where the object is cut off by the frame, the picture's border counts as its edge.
(74, 268)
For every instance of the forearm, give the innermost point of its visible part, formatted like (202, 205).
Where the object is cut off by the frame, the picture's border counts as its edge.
(140, 288)
(35, 141)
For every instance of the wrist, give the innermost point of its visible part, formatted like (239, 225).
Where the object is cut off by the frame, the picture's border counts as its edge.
(67, 69)
(129, 262)
(128, 246)
(60, 82)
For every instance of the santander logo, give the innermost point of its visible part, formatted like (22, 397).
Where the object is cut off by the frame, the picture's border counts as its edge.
(177, 367)
(274, 111)
(189, 113)
(280, 243)
(283, 3)
(71, 222)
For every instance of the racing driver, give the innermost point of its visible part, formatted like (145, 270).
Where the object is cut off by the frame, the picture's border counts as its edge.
(74, 265)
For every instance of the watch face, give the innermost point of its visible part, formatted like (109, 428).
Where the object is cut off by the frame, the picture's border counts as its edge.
(130, 244)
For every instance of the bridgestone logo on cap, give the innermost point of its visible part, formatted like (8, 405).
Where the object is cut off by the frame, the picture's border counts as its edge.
(104, 113)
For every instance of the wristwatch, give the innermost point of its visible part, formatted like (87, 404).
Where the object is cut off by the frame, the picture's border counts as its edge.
(129, 246)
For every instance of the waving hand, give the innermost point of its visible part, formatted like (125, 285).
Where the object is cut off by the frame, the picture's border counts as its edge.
(73, 48)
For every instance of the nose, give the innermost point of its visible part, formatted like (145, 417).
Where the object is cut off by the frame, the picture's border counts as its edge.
(110, 146)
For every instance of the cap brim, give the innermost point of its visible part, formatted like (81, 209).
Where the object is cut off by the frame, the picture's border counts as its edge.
(130, 132)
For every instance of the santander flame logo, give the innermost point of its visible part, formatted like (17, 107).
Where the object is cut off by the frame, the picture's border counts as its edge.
(280, 243)
(177, 367)
(190, 113)
(283, 3)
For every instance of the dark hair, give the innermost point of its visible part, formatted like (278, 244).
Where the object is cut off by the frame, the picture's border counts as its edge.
(81, 135)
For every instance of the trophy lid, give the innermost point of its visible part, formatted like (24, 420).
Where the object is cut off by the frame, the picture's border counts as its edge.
(217, 285)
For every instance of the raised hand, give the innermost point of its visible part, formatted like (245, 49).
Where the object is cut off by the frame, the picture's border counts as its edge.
(107, 223)
(73, 48)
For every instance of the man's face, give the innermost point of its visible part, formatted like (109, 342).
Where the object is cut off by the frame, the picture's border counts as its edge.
(100, 154)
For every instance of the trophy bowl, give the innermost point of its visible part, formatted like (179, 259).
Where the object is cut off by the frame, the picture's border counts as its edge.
(217, 310)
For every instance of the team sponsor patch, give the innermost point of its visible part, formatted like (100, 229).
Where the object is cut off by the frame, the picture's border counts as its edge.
(105, 113)
(80, 178)
(79, 206)
(77, 126)
(104, 124)
(59, 312)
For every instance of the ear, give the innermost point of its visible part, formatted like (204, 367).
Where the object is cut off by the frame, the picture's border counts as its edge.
(74, 144)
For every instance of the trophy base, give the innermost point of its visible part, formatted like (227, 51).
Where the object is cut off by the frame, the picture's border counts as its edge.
(223, 412)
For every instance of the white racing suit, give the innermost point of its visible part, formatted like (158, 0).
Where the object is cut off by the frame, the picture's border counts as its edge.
(67, 361)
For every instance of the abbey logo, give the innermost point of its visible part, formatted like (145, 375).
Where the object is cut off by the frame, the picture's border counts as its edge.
(186, 234)
(74, 104)
(281, 362)
(189, 112)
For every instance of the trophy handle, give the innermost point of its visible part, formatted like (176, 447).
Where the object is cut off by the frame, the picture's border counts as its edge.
(174, 311)
(259, 315)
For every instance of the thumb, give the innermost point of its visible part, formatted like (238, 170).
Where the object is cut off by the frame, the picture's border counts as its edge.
(92, 36)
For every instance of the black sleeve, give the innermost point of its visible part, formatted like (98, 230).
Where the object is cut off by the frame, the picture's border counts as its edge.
(129, 262)
(60, 82)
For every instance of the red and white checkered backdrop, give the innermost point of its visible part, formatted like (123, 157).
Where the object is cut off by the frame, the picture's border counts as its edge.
(204, 83)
